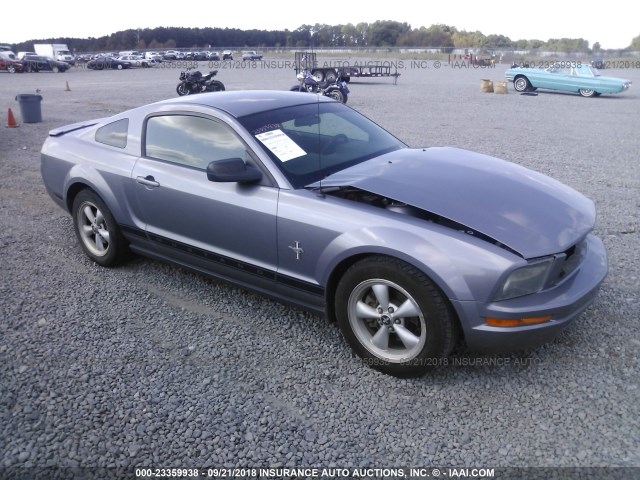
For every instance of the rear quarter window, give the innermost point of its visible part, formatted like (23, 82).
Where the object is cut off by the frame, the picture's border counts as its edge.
(114, 134)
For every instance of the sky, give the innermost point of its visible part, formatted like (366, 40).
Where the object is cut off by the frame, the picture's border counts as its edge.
(541, 20)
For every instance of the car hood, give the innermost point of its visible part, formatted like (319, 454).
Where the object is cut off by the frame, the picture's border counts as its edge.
(529, 212)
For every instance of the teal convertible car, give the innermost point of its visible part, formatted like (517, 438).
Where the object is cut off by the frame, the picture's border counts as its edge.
(578, 78)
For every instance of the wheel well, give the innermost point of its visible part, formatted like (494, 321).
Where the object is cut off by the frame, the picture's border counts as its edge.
(342, 267)
(334, 279)
(73, 191)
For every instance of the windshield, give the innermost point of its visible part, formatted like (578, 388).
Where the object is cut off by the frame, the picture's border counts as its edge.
(311, 141)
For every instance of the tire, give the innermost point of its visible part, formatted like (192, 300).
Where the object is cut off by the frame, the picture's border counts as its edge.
(182, 89)
(318, 75)
(369, 298)
(55, 69)
(336, 94)
(215, 86)
(521, 84)
(587, 92)
(330, 77)
(11, 69)
(97, 230)
(119, 67)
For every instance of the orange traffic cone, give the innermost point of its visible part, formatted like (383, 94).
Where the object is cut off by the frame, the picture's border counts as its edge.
(11, 120)
(67, 89)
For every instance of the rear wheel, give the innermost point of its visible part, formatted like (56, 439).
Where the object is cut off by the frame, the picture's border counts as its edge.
(521, 84)
(394, 317)
(97, 230)
(215, 86)
(336, 94)
(318, 75)
(119, 67)
(55, 69)
(330, 77)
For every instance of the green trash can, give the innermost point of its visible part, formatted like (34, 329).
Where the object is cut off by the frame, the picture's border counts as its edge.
(30, 107)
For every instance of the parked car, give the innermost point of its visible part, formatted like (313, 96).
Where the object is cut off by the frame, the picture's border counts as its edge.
(251, 55)
(227, 55)
(214, 56)
(303, 198)
(598, 63)
(173, 55)
(582, 79)
(38, 63)
(153, 56)
(102, 63)
(11, 65)
(197, 56)
(138, 61)
(129, 52)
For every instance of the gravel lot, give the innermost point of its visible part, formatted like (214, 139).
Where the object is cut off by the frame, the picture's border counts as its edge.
(148, 365)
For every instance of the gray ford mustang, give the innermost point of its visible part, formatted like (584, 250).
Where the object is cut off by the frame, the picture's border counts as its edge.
(304, 199)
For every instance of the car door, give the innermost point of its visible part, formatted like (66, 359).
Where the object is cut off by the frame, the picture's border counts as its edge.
(225, 228)
(583, 78)
(553, 78)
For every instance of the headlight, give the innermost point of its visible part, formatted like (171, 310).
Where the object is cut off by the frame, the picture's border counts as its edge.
(525, 280)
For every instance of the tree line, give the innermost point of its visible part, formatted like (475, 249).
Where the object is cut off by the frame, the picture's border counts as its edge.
(382, 33)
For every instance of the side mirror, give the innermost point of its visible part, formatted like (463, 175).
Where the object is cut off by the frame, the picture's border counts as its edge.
(232, 170)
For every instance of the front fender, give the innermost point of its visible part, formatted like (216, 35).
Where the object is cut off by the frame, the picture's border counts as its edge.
(463, 267)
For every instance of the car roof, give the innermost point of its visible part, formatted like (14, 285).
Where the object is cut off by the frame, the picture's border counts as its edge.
(247, 102)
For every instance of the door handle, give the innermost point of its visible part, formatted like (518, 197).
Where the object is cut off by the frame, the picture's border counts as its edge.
(148, 181)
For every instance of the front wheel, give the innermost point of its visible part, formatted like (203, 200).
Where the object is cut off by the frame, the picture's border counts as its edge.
(97, 230)
(11, 69)
(215, 86)
(55, 70)
(182, 89)
(587, 92)
(394, 317)
(521, 84)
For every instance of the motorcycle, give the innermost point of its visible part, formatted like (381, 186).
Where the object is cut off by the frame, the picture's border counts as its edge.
(192, 82)
(337, 89)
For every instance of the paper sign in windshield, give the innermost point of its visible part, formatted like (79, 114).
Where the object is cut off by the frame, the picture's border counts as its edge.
(281, 145)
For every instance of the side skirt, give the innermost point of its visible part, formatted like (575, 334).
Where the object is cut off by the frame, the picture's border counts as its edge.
(283, 288)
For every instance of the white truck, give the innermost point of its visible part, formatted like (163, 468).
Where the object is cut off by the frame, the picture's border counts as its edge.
(59, 51)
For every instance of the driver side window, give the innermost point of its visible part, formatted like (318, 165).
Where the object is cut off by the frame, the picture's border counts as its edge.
(190, 140)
